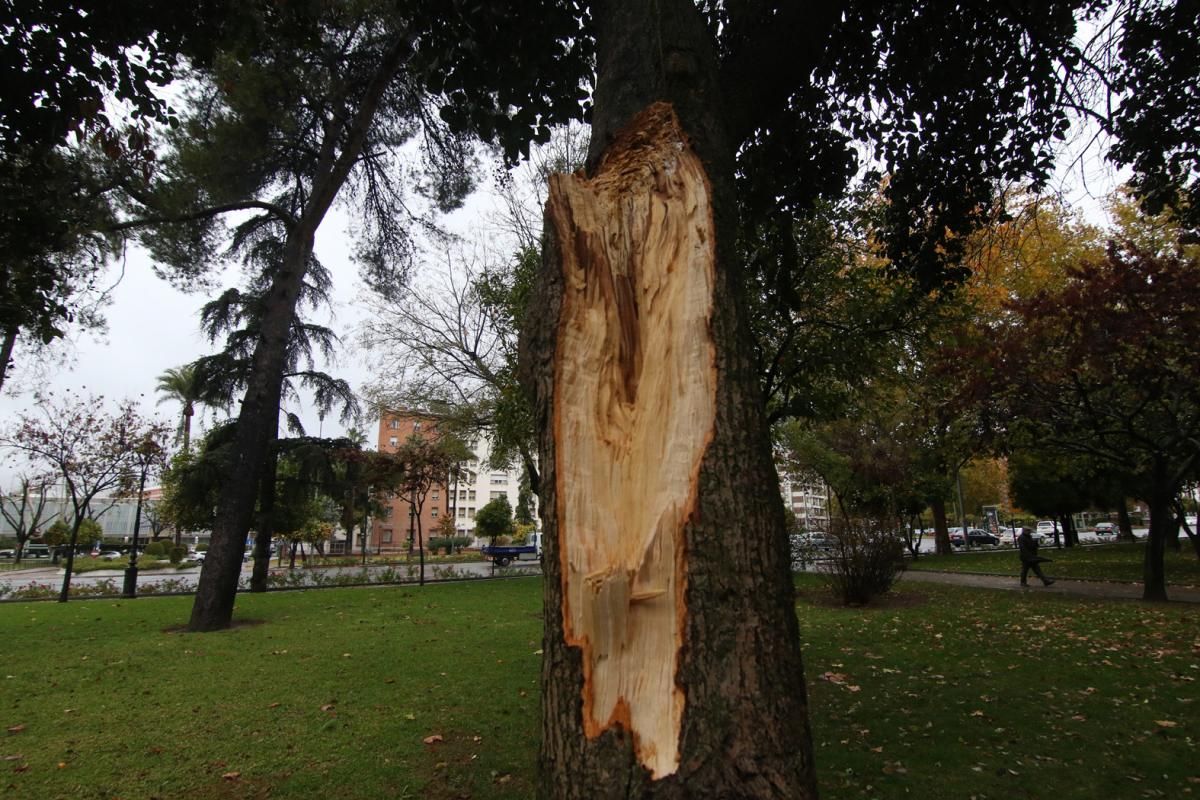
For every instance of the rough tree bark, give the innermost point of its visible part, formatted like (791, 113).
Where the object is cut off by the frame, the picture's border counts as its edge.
(672, 664)
(941, 533)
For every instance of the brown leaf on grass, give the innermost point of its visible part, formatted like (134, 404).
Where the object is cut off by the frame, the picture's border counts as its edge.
(21, 768)
(273, 705)
(231, 776)
(327, 707)
(15, 729)
(17, 757)
(434, 739)
(833, 677)
(1165, 723)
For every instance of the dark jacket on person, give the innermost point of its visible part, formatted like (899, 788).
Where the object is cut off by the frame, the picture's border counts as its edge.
(1028, 547)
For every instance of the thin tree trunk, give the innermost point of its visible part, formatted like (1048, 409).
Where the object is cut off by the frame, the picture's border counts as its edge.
(6, 351)
(672, 664)
(941, 533)
(266, 525)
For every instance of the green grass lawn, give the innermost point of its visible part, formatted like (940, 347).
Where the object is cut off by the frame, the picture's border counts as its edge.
(1112, 562)
(940, 692)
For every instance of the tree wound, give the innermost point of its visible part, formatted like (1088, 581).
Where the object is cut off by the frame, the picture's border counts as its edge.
(635, 398)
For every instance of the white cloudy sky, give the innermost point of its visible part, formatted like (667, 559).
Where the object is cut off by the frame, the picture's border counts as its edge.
(152, 326)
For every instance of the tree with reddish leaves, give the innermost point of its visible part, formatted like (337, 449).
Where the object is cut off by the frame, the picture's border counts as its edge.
(1108, 367)
(91, 450)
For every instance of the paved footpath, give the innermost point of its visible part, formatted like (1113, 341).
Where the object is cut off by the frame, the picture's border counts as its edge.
(1108, 590)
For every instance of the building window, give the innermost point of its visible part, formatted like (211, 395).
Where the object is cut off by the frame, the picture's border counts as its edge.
(498, 495)
(387, 535)
(471, 495)
(462, 513)
(416, 427)
(393, 441)
(433, 513)
(393, 424)
(462, 494)
(435, 494)
(470, 513)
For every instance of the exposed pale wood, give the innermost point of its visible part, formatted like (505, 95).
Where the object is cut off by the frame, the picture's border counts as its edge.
(635, 396)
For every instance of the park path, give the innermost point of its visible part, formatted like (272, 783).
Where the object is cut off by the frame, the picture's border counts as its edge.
(1107, 590)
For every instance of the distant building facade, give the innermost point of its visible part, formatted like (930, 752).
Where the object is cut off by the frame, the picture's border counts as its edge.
(459, 497)
(808, 499)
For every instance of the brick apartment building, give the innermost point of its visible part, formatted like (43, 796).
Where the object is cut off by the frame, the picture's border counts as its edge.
(473, 489)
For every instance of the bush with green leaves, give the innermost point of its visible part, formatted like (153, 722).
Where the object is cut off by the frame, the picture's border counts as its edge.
(158, 548)
(177, 554)
(437, 543)
(865, 560)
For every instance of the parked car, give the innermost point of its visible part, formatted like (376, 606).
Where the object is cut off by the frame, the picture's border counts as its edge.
(1105, 530)
(198, 557)
(110, 555)
(8, 553)
(1045, 527)
(808, 547)
(975, 537)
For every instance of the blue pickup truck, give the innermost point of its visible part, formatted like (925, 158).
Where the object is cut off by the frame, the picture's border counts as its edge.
(505, 554)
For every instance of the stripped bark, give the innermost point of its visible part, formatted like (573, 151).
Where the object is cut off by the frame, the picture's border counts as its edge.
(672, 665)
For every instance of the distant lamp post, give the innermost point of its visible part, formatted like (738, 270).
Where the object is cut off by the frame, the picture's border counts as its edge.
(131, 572)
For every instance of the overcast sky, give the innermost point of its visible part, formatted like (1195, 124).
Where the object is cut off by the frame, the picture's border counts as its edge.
(153, 327)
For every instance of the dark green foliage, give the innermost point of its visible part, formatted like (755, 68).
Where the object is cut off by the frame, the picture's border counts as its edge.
(158, 549)
(1157, 122)
(177, 554)
(494, 519)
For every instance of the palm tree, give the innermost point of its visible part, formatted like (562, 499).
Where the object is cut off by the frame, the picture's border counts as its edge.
(184, 386)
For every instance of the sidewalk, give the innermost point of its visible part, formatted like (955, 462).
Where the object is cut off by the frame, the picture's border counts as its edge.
(1107, 590)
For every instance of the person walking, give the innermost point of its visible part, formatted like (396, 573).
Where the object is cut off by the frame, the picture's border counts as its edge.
(1027, 546)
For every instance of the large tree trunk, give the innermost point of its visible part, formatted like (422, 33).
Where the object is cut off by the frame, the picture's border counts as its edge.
(1154, 577)
(256, 429)
(266, 523)
(259, 418)
(941, 533)
(1124, 523)
(672, 663)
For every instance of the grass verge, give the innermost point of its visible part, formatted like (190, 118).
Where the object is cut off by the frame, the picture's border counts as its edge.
(1107, 562)
(939, 692)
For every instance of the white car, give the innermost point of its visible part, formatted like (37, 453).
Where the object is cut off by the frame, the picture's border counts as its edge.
(1045, 527)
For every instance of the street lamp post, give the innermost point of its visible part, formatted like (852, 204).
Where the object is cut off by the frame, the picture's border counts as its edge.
(131, 572)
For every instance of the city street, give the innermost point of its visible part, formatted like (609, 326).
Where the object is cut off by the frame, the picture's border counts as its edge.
(185, 579)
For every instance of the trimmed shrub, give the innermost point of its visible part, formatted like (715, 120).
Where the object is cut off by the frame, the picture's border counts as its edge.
(865, 561)
(437, 543)
(177, 554)
(459, 542)
(159, 548)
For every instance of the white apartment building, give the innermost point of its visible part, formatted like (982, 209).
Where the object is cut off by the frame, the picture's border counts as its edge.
(808, 499)
(479, 484)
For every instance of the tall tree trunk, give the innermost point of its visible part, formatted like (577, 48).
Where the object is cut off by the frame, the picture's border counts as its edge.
(672, 664)
(256, 428)
(941, 533)
(1154, 577)
(1124, 523)
(6, 351)
(1067, 530)
(266, 523)
(259, 418)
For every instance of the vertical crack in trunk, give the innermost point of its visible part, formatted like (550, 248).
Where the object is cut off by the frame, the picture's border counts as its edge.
(635, 402)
